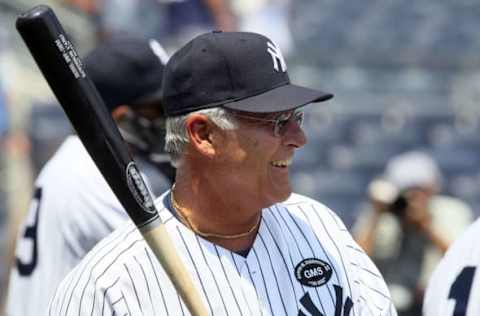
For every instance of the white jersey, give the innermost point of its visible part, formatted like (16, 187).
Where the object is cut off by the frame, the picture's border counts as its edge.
(454, 288)
(303, 262)
(72, 209)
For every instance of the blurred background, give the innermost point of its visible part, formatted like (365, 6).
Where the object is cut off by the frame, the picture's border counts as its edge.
(405, 74)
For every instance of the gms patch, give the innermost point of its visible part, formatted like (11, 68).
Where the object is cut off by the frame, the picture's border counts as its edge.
(313, 272)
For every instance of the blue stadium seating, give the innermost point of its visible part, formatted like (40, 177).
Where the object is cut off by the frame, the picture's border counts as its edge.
(400, 81)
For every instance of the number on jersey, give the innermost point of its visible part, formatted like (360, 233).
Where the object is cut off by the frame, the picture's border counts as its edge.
(26, 268)
(460, 290)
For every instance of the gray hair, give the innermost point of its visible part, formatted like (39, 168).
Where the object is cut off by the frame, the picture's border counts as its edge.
(176, 137)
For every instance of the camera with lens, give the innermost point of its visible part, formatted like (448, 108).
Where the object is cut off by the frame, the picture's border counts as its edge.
(388, 194)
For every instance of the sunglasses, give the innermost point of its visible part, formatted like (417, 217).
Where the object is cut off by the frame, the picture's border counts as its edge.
(280, 122)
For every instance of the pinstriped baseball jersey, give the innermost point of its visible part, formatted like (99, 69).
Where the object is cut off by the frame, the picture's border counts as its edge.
(303, 262)
(73, 208)
(454, 287)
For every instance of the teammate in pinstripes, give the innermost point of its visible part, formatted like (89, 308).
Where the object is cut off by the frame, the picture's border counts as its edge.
(233, 125)
(73, 207)
(454, 287)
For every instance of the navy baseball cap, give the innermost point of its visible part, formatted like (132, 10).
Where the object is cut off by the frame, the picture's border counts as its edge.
(127, 70)
(236, 70)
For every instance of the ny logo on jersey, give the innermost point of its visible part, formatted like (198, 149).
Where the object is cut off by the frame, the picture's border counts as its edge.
(277, 57)
(309, 306)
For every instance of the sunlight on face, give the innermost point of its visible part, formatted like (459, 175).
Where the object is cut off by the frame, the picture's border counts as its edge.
(255, 163)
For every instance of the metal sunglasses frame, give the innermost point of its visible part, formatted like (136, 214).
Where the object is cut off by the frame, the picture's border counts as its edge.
(279, 122)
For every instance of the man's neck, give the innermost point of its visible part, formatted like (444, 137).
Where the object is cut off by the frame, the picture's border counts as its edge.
(211, 213)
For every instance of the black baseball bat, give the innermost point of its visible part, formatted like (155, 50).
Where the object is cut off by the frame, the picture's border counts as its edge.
(63, 70)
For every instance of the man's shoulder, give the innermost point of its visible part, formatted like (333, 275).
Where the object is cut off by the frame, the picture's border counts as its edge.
(112, 252)
(72, 180)
(323, 228)
(445, 201)
(107, 265)
(455, 278)
(451, 209)
(302, 205)
(297, 200)
(70, 151)
(120, 247)
(450, 216)
(474, 229)
(69, 163)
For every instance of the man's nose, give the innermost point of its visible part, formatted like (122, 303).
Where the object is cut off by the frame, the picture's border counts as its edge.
(294, 135)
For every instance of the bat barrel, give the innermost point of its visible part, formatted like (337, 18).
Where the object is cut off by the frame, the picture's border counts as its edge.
(53, 52)
(62, 68)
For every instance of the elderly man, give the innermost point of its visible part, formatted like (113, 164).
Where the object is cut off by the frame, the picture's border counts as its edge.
(233, 125)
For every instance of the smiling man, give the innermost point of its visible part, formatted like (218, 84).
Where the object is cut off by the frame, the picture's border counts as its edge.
(233, 126)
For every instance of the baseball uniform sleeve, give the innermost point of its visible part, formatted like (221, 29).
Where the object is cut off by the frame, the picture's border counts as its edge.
(454, 287)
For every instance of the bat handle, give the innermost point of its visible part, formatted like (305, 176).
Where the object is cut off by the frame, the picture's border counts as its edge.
(162, 247)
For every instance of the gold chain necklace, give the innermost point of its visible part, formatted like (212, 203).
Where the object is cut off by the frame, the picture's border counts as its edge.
(186, 220)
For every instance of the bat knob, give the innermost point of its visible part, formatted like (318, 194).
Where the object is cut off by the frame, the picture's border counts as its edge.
(31, 16)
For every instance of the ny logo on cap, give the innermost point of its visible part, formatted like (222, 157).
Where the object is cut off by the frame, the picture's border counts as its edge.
(277, 57)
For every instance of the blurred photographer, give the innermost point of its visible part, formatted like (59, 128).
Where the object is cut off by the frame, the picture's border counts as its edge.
(409, 226)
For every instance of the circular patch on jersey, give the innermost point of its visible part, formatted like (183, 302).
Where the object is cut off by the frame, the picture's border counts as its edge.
(313, 272)
(139, 189)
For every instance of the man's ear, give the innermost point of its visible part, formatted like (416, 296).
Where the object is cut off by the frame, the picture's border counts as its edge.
(200, 132)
